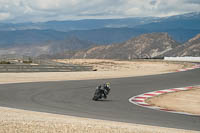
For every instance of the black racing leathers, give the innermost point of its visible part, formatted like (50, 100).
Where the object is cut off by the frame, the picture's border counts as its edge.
(105, 90)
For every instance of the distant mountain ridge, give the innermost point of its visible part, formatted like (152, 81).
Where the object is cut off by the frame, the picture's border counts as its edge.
(56, 37)
(154, 45)
(28, 37)
(102, 31)
(47, 47)
(86, 24)
(184, 21)
(143, 46)
(173, 22)
(190, 48)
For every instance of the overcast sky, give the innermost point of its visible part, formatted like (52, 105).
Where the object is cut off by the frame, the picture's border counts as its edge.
(45, 10)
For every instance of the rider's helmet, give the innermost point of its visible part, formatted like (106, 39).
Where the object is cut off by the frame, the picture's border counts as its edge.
(107, 84)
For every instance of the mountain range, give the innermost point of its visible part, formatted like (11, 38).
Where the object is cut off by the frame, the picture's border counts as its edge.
(87, 24)
(190, 48)
(58, 37)
(153, 45)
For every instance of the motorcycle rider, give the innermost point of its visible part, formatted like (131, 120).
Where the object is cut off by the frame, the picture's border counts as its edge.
(102, 91)
(105, 89)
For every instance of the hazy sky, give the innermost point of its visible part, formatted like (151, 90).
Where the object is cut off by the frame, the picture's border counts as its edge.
(44, 10)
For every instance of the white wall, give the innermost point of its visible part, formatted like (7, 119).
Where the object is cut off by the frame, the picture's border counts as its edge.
(192, 59)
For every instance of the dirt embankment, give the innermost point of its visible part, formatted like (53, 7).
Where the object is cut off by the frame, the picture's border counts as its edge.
(21, 121)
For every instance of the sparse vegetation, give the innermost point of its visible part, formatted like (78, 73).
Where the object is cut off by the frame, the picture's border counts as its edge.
(5, 62)
(27, 62)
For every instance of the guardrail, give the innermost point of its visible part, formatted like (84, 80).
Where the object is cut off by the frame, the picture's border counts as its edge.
(42, 68)
(191, 59)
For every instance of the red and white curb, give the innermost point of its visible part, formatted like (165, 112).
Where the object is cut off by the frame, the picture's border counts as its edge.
(190, 68)
(140, 99)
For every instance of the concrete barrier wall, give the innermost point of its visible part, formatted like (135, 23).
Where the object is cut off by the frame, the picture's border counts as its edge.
(190, 59)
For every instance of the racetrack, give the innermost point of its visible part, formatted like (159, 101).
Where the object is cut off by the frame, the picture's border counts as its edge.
(74, 98)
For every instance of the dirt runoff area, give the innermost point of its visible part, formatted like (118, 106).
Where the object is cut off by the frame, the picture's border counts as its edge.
(182, 101)
(21, 121)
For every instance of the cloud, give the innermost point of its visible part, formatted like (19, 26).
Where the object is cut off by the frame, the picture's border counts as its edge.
(192, 1)
(153, 2)
(44, 10)
(4, 16)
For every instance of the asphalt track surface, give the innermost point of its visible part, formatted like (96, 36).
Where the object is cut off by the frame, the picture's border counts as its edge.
(74, 98)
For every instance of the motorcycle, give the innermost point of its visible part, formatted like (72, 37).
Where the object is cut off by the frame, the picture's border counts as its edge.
(97, 95)
(100, 93)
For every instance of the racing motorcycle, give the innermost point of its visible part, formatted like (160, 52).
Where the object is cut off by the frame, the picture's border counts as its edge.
(101, 92)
